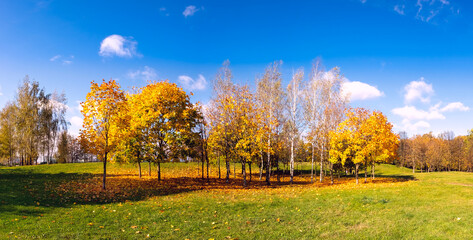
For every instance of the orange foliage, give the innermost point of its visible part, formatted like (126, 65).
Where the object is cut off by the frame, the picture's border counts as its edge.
(124, 185)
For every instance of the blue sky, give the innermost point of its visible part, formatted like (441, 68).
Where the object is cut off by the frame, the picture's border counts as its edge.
(411, 59)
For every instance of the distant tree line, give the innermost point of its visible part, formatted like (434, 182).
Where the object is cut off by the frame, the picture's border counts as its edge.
(428, 153)
(33, 125)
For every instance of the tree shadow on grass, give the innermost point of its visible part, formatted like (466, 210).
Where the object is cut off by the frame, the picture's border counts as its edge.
(20, 188)
(361, 175)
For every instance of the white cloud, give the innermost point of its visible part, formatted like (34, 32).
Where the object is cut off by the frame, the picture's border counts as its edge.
(1, 93)
(414, 127)
(190, 11)
(54, 58)
(455, 106)
(76, 125)
(418, 90)
(399, 9)
(412, 113)
(66, 62)
(76, 121)
(78, 107)
(192, 84)
(119, 46)
(147, 73)
(360, 91)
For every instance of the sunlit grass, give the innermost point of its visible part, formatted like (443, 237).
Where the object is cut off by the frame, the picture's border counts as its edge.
(56, 202)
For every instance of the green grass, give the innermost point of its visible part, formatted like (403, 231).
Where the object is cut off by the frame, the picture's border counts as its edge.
(431, 206)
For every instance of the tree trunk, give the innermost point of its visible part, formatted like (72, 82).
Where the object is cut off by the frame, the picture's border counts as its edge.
(149, 168)
(219, 171)
(243, 169)
(104, 170)
(291, 170)
(356, 172)
(277, 169)
(208, 165)
(331, 173)
(203, 165)
(261, 167)
(48, 155)
(159, 171)
(312, 169)
(366, 172)
(234, 169)
(322, 163)
(249, 168)
(268, 165)
(227, 165)
(372, 171)
(139, 168)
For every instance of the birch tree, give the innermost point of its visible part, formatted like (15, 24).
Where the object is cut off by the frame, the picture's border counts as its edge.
(295, 115)
(221, 119)
(270, 97)
(8, 146)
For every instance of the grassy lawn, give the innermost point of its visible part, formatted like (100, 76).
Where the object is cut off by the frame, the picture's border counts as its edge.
(65, 201)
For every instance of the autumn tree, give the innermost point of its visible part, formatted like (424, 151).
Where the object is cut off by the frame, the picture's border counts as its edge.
(468, 150)
(52, 121)
(221, 116)
(348, 140)
(382, 143)
(270, 100)
(324, 106)
(404, 148)
(364, 139)
(29, 99)
(165, 119)
(203, 137)
(62, 148)
(8, 144)
(248, 135)
(295, 119)
(102, 128)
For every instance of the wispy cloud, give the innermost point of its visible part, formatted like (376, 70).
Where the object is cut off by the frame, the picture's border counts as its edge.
(190, 11)
(429, 11)
(116, 45)
(147, 73)
(54, 58)
(164, 11)
(399, 9)
(360, 91)
(64, 60)
(193, 84)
